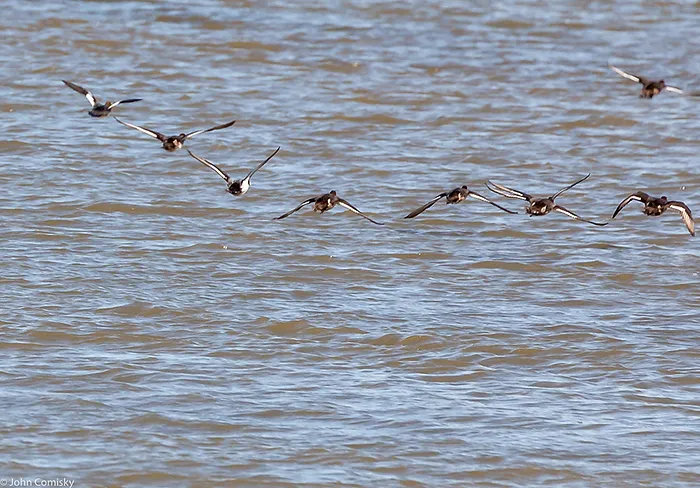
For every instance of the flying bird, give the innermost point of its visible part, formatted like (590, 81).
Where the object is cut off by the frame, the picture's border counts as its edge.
(98, 109)
(173, 143)
(540, 206)
(235, 187)
(457, 195)
(649, 87)
(326, 202)
(657, 206)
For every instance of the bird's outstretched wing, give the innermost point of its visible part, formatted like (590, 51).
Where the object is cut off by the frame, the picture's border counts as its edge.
(302, 204)
(210, 165)
(152, 133)
(90, 97)
(569, 187)
(250, 175)
(425, 207)
(344, 203)
(569, 213)
(111, 105)
(508, 192)
(639, 196)
(484, 199)
(222, 126)
(635, 78)
(686, 214)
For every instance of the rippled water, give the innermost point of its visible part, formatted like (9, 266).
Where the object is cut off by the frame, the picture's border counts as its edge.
(157, 331)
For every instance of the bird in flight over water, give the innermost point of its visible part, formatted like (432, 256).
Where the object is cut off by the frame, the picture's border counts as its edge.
(234, 187)
(649, 87)
(98, 109)
(326, 202)
(541, 206)
(657, 206)
(173, 143)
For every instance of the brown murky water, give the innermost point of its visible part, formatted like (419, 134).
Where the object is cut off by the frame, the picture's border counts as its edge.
(157, 331)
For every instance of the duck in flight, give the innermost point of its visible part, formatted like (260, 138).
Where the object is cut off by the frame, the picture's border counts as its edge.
(457, 195)
(173, 143)
(98, 109)
(540, 206)
(649, 87)
(326, 202)
(235, 187)
(657, 206)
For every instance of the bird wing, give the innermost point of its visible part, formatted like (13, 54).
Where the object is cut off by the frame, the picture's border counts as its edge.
(686, 214)
(210, 165)
(635, 78)
(640, 196)
(152, 133)
(222, 126)
(250, 175)
(425, 207)
(484, 199)
(128, 100)
(508, 192)
(90, 97)
(569, 187)
(673, 89)
(559, 209)
(344, 203)
(302, 204)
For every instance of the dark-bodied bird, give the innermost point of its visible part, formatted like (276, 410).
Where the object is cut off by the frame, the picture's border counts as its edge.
(457, 195)
(657, 206)
(98, 109)
(540, 206)
(173, 143)
(235, 187)
(649, 87)
(326, 202)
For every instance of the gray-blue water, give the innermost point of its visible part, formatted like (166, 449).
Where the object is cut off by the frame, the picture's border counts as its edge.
(157, 331)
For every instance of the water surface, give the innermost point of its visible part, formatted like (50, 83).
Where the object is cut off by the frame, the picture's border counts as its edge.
(157, 331)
